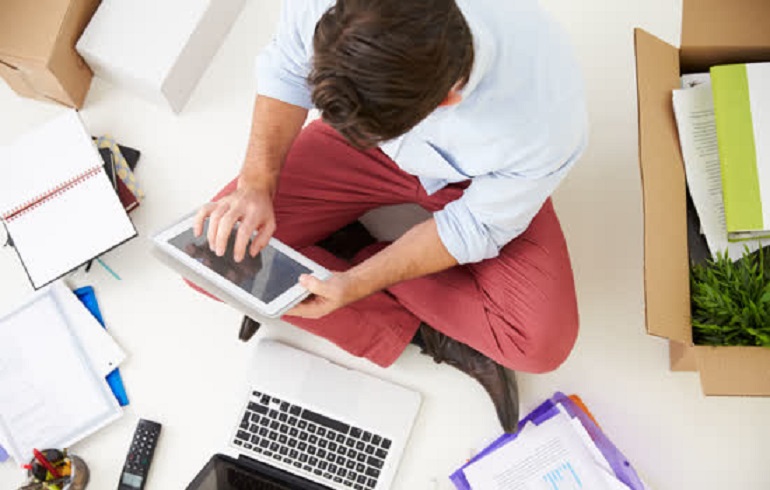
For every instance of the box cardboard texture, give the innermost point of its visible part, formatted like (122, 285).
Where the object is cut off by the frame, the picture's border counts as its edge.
(37, 49)
(713, 32)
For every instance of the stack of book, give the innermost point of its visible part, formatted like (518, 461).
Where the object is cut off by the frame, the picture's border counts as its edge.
(119, 163)
(559, 447)
(742, 112)
(723, 119)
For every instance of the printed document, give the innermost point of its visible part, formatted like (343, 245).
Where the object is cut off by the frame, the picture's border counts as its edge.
(694, 110)
(550, 456)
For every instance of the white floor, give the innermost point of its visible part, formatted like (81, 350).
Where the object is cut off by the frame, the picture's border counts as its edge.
(676, 438)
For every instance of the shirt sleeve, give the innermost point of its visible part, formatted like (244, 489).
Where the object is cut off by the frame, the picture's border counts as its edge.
(499, 206)
(283, 66)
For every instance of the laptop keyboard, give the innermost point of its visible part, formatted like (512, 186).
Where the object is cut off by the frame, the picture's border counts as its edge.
(328, 448)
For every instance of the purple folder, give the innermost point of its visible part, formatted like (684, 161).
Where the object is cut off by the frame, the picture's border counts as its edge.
(619, 464)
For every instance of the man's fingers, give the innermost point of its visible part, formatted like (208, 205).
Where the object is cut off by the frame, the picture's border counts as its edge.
(310, 308)
(313, 284)
(226, 224)
(263, 236)
(200, 217)
(214, 218)
(245, 231)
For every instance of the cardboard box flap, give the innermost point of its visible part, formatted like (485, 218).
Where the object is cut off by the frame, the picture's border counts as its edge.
(743, 371)
(28, 29)
(16, 80)
(72, 74)
(682, 356)
(666, 268)
(724, 31)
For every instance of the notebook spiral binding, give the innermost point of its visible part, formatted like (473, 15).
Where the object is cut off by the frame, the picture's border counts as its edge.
(41, 199)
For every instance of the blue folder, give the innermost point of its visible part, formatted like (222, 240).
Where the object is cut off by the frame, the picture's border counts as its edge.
(619, 464)
(87, 296)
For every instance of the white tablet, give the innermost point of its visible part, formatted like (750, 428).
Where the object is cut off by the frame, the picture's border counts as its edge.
(266, 284)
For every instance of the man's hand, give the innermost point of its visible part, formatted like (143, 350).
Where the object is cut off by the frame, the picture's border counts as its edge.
(252, 208)
(327, 296)
(418, 253)
(275, 125)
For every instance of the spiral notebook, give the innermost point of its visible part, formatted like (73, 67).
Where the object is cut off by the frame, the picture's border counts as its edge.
(56, 200)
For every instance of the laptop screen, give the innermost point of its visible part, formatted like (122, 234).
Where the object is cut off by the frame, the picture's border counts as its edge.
(224, 473)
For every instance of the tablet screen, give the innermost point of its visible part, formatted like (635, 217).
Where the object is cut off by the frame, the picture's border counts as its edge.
(266, 276)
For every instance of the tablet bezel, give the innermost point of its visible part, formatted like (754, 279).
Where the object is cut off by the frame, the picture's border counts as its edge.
(275, 308)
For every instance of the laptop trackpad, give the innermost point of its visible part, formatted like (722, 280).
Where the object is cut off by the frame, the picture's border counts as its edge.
(332, 388)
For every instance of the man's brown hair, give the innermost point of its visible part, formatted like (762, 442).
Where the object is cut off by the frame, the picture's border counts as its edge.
(382, 66)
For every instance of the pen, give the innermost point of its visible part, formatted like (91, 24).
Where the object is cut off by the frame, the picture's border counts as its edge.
(107, 268)
(47, 464)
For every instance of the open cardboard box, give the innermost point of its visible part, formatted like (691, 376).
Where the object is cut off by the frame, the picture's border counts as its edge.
(37, 49)
(713, 32)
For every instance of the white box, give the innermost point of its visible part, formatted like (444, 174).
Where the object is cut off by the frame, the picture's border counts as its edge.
(158, 49)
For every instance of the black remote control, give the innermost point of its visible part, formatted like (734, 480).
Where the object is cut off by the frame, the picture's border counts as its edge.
(139, 456)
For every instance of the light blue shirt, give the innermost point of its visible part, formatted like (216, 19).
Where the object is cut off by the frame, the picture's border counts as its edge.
(519, 129)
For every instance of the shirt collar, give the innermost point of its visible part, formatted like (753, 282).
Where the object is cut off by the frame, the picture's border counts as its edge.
(483, 47)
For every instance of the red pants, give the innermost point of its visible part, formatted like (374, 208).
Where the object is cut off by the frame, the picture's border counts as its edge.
(518, 308)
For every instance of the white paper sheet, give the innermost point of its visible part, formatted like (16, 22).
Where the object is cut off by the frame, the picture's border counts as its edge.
(694, 110)
(50, 395)
(694, 79)
(44, 158)
(759, 99)
(70, 229)
(607, 474)
(589, 444)
(102, 351)
(550, 456)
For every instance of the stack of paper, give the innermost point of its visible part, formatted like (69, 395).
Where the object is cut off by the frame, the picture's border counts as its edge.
(559, 447)
(694, 110)
(54, 357)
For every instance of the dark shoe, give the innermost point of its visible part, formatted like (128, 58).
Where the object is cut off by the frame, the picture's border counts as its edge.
(498, 381)
(346, 242)
(248, 328)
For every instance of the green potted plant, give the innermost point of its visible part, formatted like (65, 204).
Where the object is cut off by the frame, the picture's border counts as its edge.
(731, 300)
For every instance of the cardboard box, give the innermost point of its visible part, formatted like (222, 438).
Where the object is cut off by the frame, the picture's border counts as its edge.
(158, 50)
(37, 48)
(713, 32)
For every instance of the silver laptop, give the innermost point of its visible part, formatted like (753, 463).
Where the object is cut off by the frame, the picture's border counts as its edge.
(310, 424)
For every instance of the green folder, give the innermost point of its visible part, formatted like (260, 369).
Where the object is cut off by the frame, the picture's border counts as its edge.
(742, 110)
